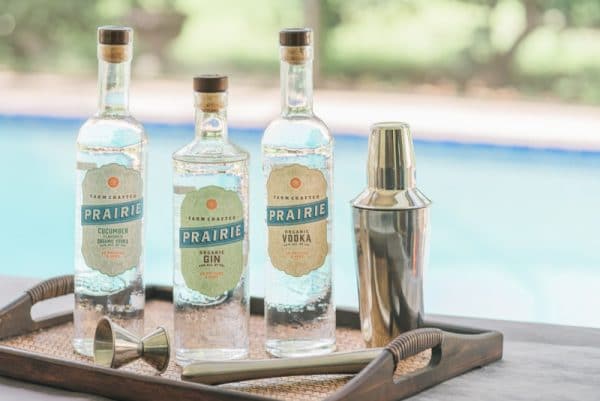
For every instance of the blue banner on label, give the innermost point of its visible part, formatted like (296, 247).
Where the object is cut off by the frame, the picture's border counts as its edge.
(198, 237)
(297, 214)
(112, 214)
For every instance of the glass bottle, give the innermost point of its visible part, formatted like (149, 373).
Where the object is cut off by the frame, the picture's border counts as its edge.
(110, 190)
(297, 164)
(210, 200)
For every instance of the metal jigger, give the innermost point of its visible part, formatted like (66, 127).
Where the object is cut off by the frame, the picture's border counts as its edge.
(114, 346)
(391, 227)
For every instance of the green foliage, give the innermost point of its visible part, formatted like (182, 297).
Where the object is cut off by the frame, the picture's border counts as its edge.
(48, 31)
(534, 46)
(232, 35)
(61, 35)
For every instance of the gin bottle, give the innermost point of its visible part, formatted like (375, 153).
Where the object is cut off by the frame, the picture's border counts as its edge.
(111, 178)
(210, 200)
(297, 164)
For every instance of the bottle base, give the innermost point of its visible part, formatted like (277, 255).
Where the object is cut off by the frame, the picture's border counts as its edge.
(296, 348)
(84, 346)
(185, 357)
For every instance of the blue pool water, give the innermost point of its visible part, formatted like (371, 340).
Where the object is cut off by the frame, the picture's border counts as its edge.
(514, 231)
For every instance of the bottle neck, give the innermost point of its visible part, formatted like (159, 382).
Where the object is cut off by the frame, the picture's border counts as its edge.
(211, 116)
(296, 88)
(113, 87)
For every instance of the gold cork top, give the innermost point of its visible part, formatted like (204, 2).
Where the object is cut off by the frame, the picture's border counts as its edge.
(115, 35)
(114, 53)
(295, 37)
(211, 91)
(211, 83)
(296, 54)
(210, 102)
(296, 45)
(114, 43)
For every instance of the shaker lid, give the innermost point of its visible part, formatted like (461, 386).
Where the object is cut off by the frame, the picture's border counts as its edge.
(391, 160)
(391, 178)
(391, 200)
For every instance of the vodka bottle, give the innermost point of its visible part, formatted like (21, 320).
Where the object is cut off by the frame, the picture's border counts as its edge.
(297, 164)
(210, 201)
(111, 181)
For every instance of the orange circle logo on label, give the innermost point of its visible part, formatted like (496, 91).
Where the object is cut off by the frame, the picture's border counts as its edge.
(211, 204)
(113, 182)
(295, 182)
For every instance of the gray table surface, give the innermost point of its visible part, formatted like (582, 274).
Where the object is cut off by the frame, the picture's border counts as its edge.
(541, 362)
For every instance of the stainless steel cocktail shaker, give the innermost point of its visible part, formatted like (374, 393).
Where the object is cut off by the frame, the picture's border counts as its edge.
(391, 226)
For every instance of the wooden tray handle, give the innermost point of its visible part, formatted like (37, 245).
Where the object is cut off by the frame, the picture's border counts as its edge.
(15, 318)
(51, 288)
(413, 342)
(451, 354)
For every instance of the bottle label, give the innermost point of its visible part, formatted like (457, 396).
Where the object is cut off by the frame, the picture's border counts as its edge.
(297, 211)
(111, 218)
(211, 240)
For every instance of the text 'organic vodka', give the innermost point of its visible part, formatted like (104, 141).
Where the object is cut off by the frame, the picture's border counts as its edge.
(297, 164)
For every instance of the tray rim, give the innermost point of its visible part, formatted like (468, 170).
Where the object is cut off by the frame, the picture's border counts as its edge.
(23, 365)
(346, 317)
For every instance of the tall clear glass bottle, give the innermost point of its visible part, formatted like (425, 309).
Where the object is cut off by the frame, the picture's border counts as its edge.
(297, 164)
(109, 217)
(210, 200)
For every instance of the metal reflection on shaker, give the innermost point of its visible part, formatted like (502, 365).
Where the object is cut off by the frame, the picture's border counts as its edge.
(391, 227)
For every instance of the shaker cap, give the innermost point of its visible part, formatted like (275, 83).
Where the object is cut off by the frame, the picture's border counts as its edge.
(391, 176)
(391, 162)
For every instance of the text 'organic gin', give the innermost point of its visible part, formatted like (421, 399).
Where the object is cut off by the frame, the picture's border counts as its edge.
(297, 163)
(210, 200)
(111, 183)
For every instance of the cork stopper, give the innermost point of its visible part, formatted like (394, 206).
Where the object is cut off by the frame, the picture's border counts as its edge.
(114, 43)
(210, 83)
(295, 37)
(211, 91)
(115, 35)
(296, 45)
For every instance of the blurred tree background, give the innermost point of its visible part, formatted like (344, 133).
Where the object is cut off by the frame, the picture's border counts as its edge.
(537, 48)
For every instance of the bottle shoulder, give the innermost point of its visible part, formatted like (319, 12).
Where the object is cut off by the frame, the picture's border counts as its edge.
(301, 132)
(112, 132)
(202, 151)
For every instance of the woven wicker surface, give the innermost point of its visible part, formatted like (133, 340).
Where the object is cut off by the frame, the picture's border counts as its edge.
(56, 342)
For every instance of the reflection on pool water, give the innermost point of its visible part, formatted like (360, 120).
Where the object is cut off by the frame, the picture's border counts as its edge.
(514, 231)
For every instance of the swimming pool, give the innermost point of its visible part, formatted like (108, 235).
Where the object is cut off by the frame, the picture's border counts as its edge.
(514, 230)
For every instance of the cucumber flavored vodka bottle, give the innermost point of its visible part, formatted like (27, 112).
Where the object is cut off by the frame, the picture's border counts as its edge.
(111, 183)
(297, 163)
(210, 200)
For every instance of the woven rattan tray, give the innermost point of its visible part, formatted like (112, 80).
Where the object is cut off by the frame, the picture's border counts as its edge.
(41, 352)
